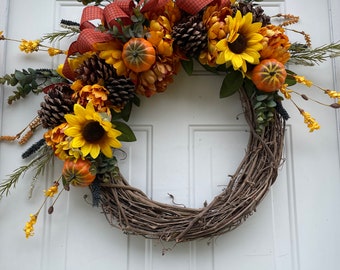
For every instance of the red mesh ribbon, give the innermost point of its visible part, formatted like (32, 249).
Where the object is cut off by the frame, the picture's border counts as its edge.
(120, 9)
(89, 14)
(84, 43)
(194, 6)
(150, 5)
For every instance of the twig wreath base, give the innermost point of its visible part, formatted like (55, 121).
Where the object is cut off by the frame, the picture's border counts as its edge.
(129, 209)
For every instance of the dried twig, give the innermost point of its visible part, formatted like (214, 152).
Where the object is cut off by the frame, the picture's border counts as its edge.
(132, 211)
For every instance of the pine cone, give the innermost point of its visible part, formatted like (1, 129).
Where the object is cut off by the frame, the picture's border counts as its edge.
(121, 89)
(191, 35)
(257, 11)
(94, 70)
(57, 102)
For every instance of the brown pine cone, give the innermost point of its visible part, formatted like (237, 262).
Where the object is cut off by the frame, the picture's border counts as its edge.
(122, 90)
(95, 70)
(190, 35)
(256, 10)
(57, 102)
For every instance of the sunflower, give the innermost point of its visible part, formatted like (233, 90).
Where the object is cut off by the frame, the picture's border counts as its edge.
(242, 43)
(90, 132)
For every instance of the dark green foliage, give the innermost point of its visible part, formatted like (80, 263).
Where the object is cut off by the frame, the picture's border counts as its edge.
(30, 80)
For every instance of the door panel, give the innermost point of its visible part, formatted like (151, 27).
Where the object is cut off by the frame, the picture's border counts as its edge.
(189, 141)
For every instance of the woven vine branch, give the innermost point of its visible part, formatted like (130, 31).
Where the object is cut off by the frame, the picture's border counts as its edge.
(129, 209)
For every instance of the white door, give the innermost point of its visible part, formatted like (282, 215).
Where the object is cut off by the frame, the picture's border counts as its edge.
(189, 140)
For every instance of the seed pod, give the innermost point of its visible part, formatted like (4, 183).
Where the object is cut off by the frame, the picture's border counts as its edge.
(335, 105)
(304, 97)
(50, 209)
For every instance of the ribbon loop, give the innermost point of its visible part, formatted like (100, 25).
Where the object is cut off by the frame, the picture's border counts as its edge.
(195, 6)
(150, 5)
(91, 13)
(120, 9)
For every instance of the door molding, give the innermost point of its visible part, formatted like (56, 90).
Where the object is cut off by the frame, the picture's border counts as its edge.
(334, 20)
(3, 27)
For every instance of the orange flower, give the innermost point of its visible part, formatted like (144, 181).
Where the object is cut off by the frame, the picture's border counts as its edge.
(214, 19)
(170, 11)
(56, 135)
(96, 93)
(160, 36)
(158, 78)
(275, 43)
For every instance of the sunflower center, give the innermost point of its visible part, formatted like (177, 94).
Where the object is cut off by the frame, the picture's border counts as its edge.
(93, 131)
(239, 45)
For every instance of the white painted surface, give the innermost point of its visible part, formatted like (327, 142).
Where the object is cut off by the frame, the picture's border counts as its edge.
(188, 142)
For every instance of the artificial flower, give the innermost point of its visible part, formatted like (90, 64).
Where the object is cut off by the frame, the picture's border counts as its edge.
(332, 93)
(29, 46)
(213, 19)
(303, 80)
(275, 43)
(170, 11)
(52, 190)
(90, 132)
(54, 51)
(312, 124)
(97, 94)
(160, 36)
(285, 91)
(29, 226)
(242, 43)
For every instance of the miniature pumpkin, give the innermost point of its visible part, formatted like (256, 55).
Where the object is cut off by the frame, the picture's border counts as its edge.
(77, 173)
(138, 54)
(269, 75)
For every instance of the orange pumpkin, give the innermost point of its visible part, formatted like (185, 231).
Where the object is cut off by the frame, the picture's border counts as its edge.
(138, 54)
(77, 173)
(269, 75)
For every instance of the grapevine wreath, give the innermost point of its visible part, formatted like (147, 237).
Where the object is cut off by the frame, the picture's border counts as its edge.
(135, 50)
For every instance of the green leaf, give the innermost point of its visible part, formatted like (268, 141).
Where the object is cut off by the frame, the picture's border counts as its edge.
(249, 87)
(261, 97)
(231, 83)
(32, 71)
(290, 80)
(188, 66)
(19, 75)
(127, 133)
(271, 104)
(136, 101)
(126, 112)
(257, 105)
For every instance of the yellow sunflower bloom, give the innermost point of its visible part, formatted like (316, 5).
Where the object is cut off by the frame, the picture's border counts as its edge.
(242, 43)
(90, 132)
